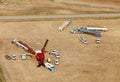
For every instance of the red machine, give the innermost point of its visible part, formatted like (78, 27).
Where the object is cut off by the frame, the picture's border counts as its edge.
(39, 53)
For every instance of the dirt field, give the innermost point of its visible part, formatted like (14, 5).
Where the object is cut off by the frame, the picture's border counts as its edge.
(50, 7)
(78, 63)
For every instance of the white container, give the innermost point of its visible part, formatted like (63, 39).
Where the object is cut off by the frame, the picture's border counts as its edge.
(23, 56)
(48, 60)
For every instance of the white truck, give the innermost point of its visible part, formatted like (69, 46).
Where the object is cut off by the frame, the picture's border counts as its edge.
(50, 66)
(56, 53)
(98, 41)
(83, 40)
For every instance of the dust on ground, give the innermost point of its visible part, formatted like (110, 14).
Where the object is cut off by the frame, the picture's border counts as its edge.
(56, 7)
(79, 62)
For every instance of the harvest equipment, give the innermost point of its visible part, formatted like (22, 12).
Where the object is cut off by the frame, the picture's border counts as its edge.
(86, 31)
(39, 53)
(61, 28)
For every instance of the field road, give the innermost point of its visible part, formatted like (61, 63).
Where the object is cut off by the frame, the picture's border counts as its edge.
(59, 16)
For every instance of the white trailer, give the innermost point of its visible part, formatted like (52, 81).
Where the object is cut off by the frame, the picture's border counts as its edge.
(97, 28)
(19, 44)
(61, 28)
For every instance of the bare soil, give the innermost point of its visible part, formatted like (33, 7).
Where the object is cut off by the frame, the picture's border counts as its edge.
(79, 62)
(51, 7)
